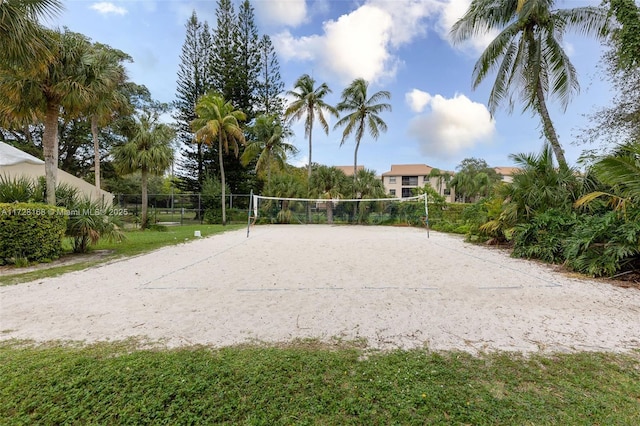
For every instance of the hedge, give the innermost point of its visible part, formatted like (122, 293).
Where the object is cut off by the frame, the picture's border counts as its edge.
(31, 231)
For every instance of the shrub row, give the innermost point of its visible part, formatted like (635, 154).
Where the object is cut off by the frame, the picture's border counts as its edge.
(31, 232)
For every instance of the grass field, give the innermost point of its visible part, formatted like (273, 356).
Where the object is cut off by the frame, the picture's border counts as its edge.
(307, 383)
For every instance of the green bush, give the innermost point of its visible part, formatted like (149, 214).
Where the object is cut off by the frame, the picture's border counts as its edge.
(604, 245)
(30, 231)
(544, 237)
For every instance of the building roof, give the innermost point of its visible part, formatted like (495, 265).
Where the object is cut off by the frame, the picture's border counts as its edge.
(408, 170)
(348, 170)
(507, 171)
(10, 156)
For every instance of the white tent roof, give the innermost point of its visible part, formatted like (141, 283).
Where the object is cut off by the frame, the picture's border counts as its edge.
(10, 156)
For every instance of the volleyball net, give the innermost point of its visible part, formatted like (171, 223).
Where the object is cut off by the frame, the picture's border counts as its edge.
(412, 211)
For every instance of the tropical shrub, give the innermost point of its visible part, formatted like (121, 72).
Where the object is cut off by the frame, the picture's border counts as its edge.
(17, 189)
(89, 221)
(604, 245)
(544, 236)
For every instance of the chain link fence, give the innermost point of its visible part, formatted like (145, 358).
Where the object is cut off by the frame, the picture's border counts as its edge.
(182, 209)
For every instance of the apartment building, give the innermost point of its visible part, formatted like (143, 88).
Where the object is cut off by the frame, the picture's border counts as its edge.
(403, 178)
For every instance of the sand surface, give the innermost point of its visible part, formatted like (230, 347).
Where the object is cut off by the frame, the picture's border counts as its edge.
(391, 287)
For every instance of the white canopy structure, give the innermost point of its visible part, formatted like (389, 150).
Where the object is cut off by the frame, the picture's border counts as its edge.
(15, 163)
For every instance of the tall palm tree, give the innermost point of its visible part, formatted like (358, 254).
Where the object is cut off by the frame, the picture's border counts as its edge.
(308, 102)
(107, 75)
(329, 183)
(269, 145)
(58, 82)
(218, 120)
(22, 39)
(148, 151)
(364, 113)
(527, 54)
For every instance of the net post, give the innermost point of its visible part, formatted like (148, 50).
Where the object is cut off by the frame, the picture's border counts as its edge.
(249, 213)
(426, 211)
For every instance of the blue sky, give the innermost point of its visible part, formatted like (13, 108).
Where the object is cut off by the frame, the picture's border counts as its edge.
(398, 45)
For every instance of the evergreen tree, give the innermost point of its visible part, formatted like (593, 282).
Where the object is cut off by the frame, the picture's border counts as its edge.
(223, 63)
(194, 80)
(247, 50)
(270, 85)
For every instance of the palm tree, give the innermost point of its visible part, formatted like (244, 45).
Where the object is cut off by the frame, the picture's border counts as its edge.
(364, 113)
(24, 41)
(149, 152)
(329, 183)
(106, 80)
(527, 55)
(368, 185)
(286, 186)
(219, 120)
(60, 82)
(270, 145)
(463, 184)
(308, 103)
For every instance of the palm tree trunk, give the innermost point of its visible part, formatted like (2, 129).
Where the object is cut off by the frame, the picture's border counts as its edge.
(144, 177)
(355, 179)
(222, 180)
(50, 150)
(329, 211)
(309, 168)
(269, 170)
(96, 151)
(200, 167)
(549, 130)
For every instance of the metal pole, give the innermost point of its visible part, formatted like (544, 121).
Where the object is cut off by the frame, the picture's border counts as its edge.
(426, 211)
(249, 213)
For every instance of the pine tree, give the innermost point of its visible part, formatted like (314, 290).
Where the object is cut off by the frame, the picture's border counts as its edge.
(223, 63)
(270, 85)
(246, 46)
(194, 80)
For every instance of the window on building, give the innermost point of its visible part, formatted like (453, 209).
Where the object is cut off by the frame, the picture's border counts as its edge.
(425, 178)
(392, 179)
(407, 192)
(392, 192)
(409, 180)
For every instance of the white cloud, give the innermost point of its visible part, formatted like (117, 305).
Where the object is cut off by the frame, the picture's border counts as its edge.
(452, 126)
(356, 45)
(106, 8)
(417, 100)
(363, 42)
(291, 48)
(277, 12)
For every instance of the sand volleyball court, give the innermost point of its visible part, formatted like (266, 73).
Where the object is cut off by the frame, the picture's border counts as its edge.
(389, 286)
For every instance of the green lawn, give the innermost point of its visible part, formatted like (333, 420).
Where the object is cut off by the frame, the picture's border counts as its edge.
(307, 383)
(136, 242)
